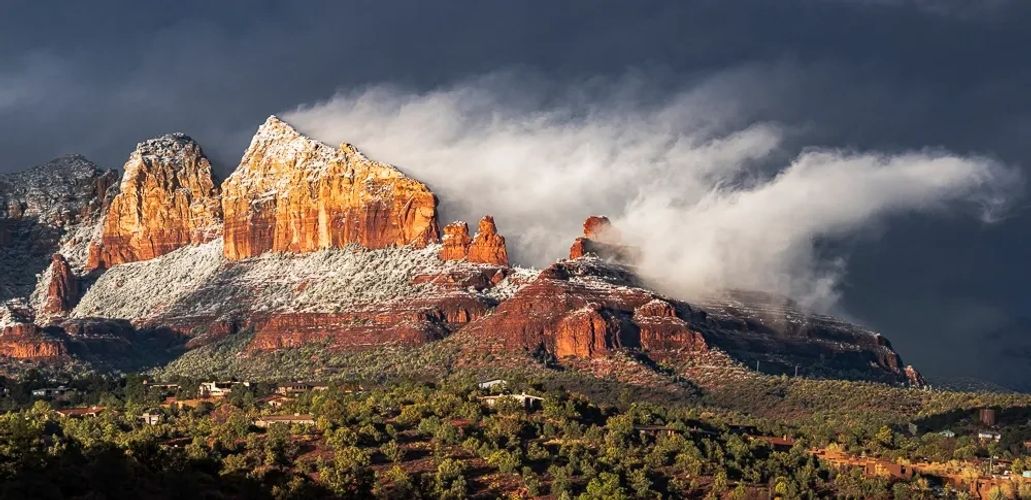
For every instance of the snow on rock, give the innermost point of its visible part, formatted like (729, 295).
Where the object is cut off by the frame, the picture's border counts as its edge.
(199, 281)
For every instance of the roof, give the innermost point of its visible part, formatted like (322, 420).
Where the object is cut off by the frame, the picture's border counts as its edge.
(286, 418)
(80, 411)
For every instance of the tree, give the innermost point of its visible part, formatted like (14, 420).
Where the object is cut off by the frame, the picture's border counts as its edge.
(348, 474)
(449, 481)
(604, 487)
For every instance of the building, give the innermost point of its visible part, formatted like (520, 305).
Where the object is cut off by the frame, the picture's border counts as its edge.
(218, 389)
(987, 416)
(491, 384)
(656, 430)
(53, 392)
(275, 400)
(293, 388)
(527, 401)
(270, 420)
(151, 418)
(989, 436)
(80, 412)
(884, 468)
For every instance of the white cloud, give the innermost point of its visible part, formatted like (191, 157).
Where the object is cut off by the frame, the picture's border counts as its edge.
(713, 199)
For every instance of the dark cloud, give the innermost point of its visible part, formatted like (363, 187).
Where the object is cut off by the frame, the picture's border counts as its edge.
(875, 75)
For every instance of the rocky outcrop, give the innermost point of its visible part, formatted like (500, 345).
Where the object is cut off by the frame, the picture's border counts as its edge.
(914, 377)
(63, 291)
(28, 341)
(293, 194)
(455, 245)
(167, 199)
(487, 247)
(603, 240)
(585, 309)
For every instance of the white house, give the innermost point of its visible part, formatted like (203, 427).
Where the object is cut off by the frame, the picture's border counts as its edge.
(218, 389)
(527, 401)
(490, 384)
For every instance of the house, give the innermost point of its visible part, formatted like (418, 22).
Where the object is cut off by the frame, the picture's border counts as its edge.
(947, 434)
(52, 392)
(275, 400)
(302, 387)
(527, 401)
(491, 384)
(163, 389)
(884, 468)
(218, 389)
(989, 436)
(779, 443)
(270, 420)
(656, 430)
(151, 418)
(292, 388)
(80, 412)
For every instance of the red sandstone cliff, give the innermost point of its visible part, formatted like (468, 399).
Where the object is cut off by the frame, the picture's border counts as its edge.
(27, 341)
(293, 194)
(167, 200)
(487, 247)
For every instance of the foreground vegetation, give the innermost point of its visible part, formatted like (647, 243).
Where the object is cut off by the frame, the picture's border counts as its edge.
(441, 440)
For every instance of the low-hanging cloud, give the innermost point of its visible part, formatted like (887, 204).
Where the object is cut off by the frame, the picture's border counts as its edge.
(713, 198)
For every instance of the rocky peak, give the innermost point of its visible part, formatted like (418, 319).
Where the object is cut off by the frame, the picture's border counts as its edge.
(293, 194)
(602, 240)
(63, 290)
(167, 199)
(62, 191)
(456, 241)
(487, 247)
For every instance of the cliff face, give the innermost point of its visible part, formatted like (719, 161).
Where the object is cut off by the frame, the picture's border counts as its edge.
(487, 247)
(167, 199)
(293, 194)
(27, 341)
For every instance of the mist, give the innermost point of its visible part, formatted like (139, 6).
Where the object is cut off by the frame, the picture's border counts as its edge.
(713, 198)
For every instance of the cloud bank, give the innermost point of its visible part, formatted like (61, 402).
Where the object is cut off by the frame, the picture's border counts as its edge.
(713, 198)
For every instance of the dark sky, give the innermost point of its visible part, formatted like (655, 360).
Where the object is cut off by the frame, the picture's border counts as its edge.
(97, 77)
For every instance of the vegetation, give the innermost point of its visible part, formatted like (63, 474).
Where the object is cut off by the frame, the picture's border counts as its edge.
(408, 439)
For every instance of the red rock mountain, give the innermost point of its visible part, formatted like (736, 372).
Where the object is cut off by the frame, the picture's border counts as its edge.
(309, 246)
(293, 194)
(167, 199)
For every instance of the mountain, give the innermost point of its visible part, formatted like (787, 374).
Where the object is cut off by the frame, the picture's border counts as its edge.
(309, 247)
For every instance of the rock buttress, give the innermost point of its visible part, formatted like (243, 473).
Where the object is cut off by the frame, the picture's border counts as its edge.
(293, 194)
(167, 200)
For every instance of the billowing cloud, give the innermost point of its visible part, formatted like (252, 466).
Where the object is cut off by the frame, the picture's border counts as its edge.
(713, 199)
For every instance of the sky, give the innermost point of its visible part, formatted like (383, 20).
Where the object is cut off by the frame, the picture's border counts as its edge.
(869, 155)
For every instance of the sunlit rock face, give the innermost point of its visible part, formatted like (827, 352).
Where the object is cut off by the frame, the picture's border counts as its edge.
(487, 247)
(293, 194)
(167, 199)
(63, 289)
